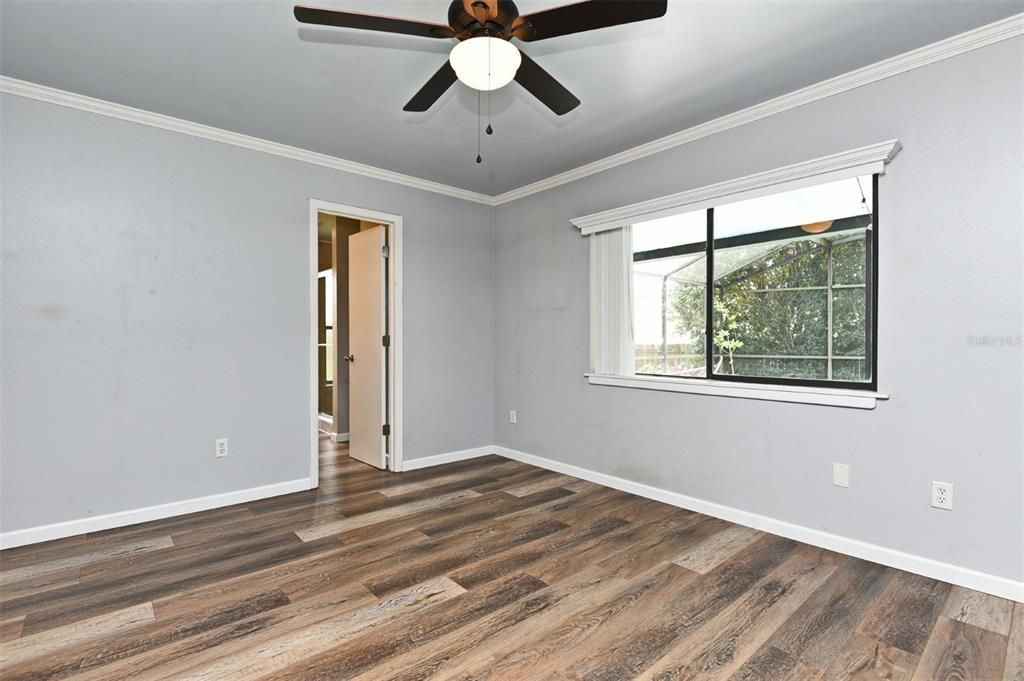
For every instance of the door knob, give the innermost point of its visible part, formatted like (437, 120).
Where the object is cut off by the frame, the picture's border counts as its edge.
(349, 358)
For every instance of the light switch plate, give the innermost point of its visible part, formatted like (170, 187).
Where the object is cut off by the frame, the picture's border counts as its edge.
(840, 475)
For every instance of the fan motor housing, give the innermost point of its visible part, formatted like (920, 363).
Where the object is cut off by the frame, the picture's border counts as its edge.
(466, 24)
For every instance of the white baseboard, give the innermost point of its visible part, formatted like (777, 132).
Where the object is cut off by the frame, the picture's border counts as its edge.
(448, 457)
(971, 579)
(70, 528)
(339, 437)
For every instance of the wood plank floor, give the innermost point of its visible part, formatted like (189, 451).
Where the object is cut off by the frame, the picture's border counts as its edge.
(484, 569)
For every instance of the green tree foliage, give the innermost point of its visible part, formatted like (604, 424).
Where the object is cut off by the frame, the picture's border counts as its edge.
(725, 333)
(757, 312)
(688, 310)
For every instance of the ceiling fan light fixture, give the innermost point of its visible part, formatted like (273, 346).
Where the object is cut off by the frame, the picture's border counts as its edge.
(817, 227)
(485, 63)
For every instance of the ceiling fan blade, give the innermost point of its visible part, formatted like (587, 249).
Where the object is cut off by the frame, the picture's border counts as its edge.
(586, 16)
(544, 87)
(370, 22)
(433, 89)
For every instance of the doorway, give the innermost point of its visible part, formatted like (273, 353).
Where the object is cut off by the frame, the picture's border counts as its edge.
(355, 333)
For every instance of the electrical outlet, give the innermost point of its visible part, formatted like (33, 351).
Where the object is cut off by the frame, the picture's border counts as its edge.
(942, 495)
(840, 475)
(513, 417)
(221, 447)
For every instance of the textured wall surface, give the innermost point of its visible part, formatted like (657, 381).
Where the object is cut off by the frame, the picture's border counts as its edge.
(156, 284)
(950, 269)
(155, 298)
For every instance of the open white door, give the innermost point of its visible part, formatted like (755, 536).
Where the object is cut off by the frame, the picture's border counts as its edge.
(367, 360)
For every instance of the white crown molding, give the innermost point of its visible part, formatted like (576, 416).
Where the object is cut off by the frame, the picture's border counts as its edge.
(862, 161)
(983, 36)
(71, 100)
(919, 565)
(1011, 27)
(108, 521)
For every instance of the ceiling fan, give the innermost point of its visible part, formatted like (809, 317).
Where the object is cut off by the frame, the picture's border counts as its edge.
(485, 58)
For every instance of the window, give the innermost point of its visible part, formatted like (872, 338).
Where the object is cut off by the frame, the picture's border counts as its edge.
(328, 309)
(759, 287)
(773, 289)
(669, 279)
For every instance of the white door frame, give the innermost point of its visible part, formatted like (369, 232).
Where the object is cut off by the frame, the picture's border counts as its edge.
(394, 231)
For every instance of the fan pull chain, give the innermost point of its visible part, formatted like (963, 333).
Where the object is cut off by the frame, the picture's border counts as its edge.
(490, 130)
(479, 158)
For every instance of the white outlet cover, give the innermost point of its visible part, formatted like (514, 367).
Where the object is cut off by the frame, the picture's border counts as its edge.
(513, 416)
(942, 495)
(220, 447)
(840, 475)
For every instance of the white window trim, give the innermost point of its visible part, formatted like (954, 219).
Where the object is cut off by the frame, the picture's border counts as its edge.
(833, 397)
(867, 160)
(856, 162)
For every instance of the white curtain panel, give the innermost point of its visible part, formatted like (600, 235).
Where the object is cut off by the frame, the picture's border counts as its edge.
(611, 302)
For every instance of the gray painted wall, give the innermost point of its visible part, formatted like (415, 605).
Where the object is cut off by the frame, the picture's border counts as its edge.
(154, 298)
(951, 260)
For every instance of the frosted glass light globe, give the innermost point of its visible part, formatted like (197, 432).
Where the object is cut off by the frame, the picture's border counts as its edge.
(485, 63)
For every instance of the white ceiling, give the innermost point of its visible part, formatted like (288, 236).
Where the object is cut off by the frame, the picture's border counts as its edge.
(250, 68)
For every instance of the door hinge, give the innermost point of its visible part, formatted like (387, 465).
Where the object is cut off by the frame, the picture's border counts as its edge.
(386, 430)
(386, 341)
(385, 251)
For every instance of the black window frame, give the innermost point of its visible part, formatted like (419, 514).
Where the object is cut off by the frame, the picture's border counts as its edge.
(871, 295)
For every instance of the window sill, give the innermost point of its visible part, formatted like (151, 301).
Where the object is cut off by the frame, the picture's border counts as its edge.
(833, 397)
